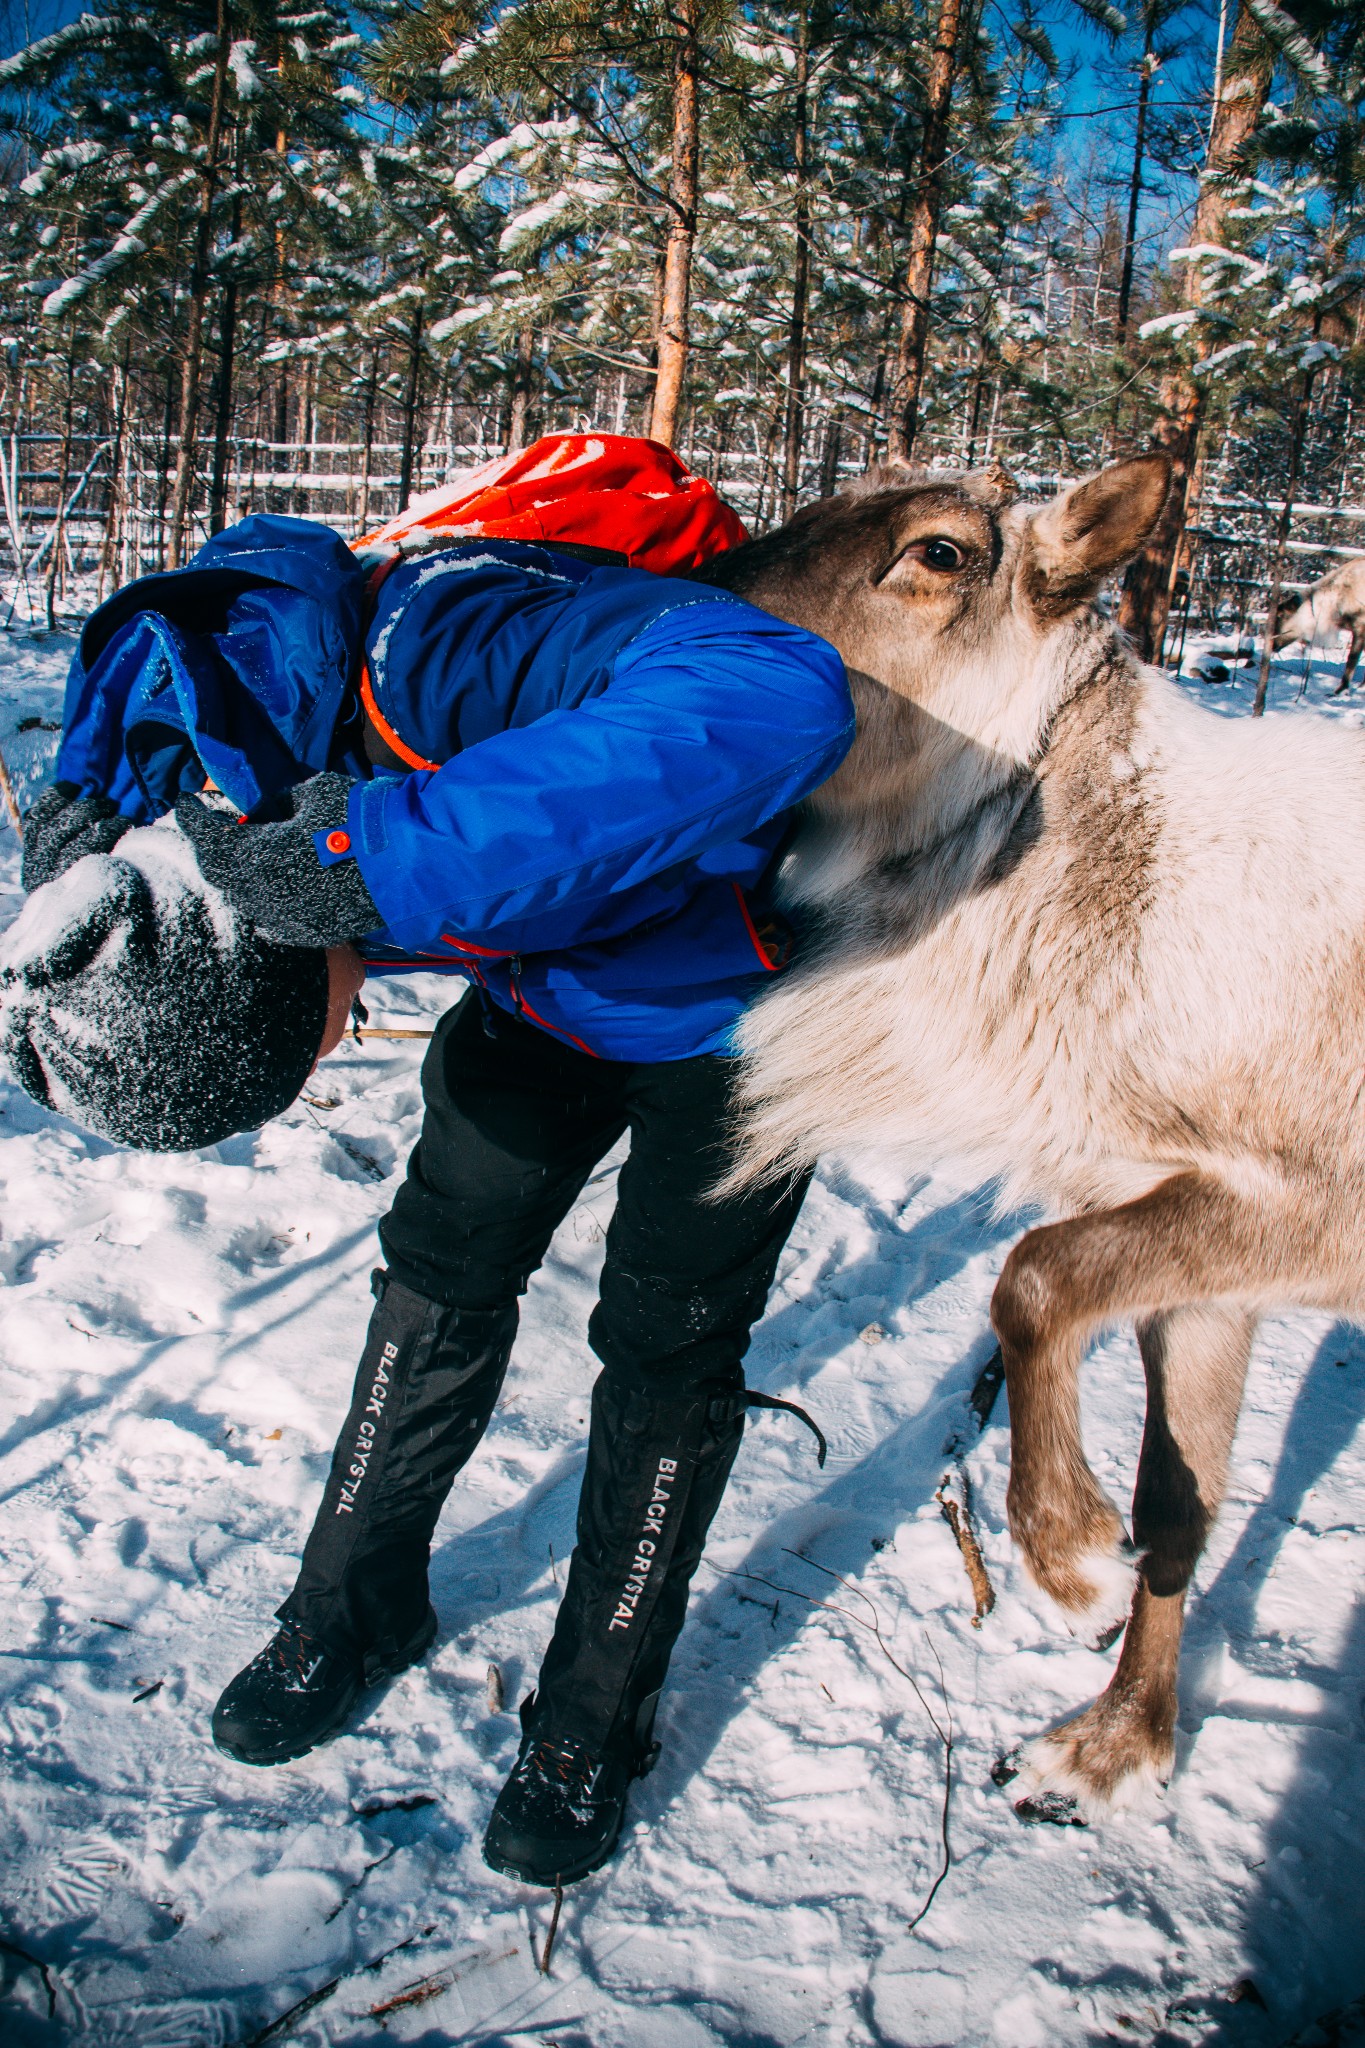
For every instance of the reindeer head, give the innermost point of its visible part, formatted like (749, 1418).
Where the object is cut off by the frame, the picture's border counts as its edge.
(947, 595)
(1295, 619)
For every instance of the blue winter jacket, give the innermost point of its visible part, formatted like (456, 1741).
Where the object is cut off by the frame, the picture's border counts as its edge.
(618, 752)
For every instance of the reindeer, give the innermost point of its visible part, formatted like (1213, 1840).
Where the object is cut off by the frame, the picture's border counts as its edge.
(1334, 604)
(1109, 949)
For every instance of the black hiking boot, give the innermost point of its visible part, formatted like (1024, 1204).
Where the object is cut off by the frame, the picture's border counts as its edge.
(559, 1815)
(296, 1693)
(658, 1460)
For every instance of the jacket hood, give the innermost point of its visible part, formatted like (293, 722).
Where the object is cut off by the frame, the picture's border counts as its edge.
(238, 665)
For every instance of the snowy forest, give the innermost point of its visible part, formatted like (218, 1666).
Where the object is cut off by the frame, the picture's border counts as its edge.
(269, 256)
(311, 258)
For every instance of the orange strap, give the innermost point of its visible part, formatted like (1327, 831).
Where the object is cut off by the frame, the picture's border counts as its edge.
(769, 963)
(384, 729)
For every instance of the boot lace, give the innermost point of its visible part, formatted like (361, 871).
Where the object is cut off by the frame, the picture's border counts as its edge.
(564, 1769)
(294, 1656)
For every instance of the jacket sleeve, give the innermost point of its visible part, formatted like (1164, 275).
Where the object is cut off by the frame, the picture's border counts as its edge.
(717, 718)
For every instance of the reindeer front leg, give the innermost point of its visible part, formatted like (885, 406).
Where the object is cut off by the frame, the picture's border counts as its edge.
(1353, 653)
(1195, 1361)
(1186, 1241)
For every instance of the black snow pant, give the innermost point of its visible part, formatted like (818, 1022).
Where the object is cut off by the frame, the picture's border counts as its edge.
(515, 1123)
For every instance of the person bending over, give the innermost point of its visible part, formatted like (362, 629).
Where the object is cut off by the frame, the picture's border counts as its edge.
(568, 782)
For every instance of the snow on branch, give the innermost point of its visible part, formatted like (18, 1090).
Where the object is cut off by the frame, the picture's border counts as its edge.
(524, 136)
(1213, 252)
(245, 76)
(1213, 366)
(1173, 325)
(971, 267)
(468, 316)
(77, 35)
(538, 216)
(1284, 34)
(74, 156)
(128, 243)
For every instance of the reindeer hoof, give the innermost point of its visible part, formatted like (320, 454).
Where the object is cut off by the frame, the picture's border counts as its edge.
(1097, 1764)
(1058, 1807)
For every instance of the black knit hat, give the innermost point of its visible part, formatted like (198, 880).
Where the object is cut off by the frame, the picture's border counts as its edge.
(136, 1002)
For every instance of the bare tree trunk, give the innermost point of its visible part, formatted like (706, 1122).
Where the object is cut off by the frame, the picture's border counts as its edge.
(1296, 439)
(874, 408)
(276, 496)
(829, 464)
(1146, 601)
(682, 228)
(410, 396)
(1146, 72)
(794, 424)
(222, 423)
(63, 481)
(116, 517)
(765, 471)
(978, 393)
(904, 408)
(194, 335)
(164, 462)
(367, 452)
(520, 407)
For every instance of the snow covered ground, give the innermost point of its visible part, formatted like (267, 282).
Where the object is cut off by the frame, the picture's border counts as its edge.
(176, 1350)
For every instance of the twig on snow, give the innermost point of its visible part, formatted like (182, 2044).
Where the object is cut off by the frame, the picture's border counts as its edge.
(549, 1949)
(958, 1515)
(429, 1987)
(874, 1628)
(12, 1948)
(947, 1798)
(344, 1901)
(362, 1159)
(277, 2029)
(959, 1520)
(942, 1728)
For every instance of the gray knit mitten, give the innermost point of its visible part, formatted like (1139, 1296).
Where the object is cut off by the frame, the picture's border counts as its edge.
(62, 827)
(272, 873)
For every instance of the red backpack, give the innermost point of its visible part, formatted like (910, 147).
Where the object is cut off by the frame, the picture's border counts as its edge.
(611, 491)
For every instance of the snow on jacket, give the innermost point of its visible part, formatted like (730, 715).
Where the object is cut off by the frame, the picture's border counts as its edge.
(610, 757)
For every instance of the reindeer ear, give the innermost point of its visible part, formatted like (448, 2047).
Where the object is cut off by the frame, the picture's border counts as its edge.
(1090, 529)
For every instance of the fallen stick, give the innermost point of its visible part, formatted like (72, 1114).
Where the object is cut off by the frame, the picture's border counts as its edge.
(942, 1728)
(947, 1739)
(289, 2019)
(427, 1988)
(12, 1948)
(554, 1929)
(375, 1031)
(959, 1520)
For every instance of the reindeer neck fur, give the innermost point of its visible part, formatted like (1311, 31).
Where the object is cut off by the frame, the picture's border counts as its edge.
(927, 955)
(917, 783)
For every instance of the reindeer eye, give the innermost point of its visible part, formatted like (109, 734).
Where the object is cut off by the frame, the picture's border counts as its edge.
(941, 554)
